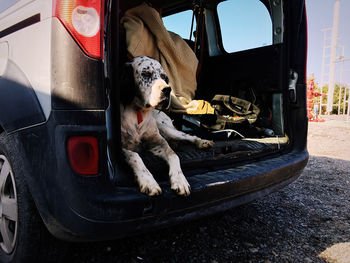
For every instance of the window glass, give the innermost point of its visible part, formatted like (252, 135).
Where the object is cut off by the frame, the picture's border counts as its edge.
(4, 4)
(244, 24)
(180, 23)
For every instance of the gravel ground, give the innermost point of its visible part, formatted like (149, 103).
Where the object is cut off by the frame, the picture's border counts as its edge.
(308, 221)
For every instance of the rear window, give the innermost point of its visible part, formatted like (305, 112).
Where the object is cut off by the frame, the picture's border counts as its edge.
(244, 24)
(180, 23)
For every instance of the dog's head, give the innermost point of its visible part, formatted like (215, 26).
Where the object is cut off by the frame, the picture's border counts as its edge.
(145, 84)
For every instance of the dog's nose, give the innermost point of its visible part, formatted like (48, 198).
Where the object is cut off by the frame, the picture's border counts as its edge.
(166, 91)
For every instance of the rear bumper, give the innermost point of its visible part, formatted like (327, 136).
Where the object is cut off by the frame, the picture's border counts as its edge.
(124, 211)
(82, 208)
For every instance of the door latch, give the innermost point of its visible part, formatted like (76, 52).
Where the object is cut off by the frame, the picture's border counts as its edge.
(293, 78)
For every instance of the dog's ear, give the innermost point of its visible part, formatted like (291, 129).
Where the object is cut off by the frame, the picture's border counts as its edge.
(127, 84)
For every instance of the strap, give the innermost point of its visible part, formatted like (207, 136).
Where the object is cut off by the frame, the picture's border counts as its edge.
(196, 37)
(198, 49)
(191, 32)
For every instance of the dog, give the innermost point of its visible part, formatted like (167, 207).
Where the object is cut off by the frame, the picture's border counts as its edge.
(145, 91)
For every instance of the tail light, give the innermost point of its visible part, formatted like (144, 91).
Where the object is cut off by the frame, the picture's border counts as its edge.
(84, 21)
(83, 154)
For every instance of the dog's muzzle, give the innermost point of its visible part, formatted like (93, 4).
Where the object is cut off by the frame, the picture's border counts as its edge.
(165, 99)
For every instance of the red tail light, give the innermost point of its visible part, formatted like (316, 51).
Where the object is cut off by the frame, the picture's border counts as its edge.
(84, 21)
(83, 154)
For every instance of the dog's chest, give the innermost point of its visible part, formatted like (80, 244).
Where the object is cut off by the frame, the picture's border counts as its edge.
(133, 132)
(131, 136)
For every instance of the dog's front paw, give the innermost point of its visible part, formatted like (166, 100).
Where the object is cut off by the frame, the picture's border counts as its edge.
(179, 184)
(149, 186)
(204, 144)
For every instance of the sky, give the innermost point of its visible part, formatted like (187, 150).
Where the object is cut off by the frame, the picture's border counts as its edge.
(320, 16)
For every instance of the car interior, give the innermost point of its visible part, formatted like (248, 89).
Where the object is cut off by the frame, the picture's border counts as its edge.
(244, 84)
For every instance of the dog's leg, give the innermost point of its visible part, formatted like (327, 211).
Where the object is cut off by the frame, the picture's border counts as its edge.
(144, 178)
(168, 131)
(178, 181)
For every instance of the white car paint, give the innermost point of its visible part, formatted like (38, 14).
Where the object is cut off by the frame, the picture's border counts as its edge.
(29, 48)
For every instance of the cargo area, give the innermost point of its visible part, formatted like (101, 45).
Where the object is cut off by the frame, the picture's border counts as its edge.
(249, 122)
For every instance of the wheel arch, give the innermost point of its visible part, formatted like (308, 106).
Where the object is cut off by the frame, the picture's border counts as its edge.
(20, 107)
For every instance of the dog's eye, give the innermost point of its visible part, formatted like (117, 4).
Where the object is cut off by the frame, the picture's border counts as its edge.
(165, 78)
(146, 74)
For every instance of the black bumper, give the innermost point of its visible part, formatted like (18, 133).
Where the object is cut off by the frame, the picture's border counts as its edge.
(124, 211)
(75, 207)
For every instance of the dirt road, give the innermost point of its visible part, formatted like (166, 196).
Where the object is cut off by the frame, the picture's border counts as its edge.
(308, 221)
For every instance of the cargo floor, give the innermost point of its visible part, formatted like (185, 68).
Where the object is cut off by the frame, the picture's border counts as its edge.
(192, 158)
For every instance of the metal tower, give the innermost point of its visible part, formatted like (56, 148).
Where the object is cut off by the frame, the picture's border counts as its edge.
(325, 63)
(331, 83)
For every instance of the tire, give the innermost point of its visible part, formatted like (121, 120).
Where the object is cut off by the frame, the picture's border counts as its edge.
(23, 236)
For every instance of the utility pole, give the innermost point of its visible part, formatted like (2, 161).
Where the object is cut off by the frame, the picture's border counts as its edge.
(325, 64)
(331, 84)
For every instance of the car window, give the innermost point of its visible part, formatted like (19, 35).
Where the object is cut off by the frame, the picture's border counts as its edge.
(180, 23)
(244, 24)
(4, 4)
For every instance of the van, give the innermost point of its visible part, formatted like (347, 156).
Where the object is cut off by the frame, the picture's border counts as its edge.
(61, 171)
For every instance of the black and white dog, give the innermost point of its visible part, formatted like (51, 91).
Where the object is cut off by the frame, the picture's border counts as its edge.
(144, 89)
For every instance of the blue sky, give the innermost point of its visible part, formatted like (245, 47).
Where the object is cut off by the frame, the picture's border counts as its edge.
(320, 16)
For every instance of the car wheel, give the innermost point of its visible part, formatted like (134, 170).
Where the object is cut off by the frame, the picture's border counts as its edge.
(23, 236)
(8, 207)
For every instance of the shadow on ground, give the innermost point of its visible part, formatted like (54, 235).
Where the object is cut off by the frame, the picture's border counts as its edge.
(295, 224)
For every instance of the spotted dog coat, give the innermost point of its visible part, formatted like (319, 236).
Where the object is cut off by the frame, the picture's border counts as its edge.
(144, 89)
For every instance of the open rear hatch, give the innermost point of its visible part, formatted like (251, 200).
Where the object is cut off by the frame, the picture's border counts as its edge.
(257, 75)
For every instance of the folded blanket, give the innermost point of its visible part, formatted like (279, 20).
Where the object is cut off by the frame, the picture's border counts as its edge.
(147, 36)
(197, 107)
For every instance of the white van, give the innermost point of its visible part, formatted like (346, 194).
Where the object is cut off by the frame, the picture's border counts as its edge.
(61, 171)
